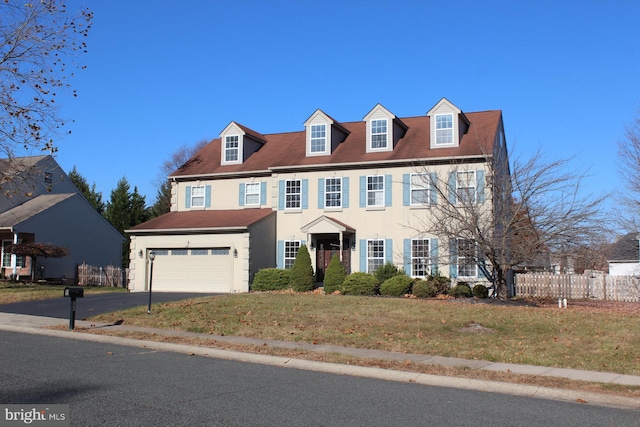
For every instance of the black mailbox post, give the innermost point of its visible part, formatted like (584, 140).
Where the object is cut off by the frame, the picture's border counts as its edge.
(73, 293)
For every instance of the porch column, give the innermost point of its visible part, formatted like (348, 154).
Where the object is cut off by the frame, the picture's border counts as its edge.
(14, 256)
(341, 239)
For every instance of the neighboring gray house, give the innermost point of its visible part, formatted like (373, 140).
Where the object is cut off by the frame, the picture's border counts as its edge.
(625, 256)
(39, 203)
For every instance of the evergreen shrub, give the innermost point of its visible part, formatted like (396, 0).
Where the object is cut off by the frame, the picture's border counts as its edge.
(271, 279)
(424, 289)
(360, 284)
(396, 286)
(462, 289)
(302, 272)
(480, 291)
(334, 276)
(387, 271)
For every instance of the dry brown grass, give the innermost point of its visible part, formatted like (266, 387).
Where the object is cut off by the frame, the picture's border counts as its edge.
(11, 292)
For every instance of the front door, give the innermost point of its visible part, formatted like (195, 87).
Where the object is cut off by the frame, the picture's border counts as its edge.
(326, 250)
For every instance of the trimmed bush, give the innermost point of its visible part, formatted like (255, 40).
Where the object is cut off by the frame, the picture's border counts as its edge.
(441, 283)
(360, 284)
(271, 279)
(396, 286)
(302, 272)
(480, 291)
(462, 290)
(387, 271)
(424, 289)
(334, 276)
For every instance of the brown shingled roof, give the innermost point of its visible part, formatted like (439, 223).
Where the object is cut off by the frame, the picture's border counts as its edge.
(203, 220)
(289, 149)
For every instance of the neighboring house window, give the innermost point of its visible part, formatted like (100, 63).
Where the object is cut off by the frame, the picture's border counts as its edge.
(293, 194)
(6, 256)
(379, 133)
(444, 129)
(419, 189)
(290, 252)
(197, 196)
(420, 261)
(375, 255)
(318, 138)
(48, 178)
(466, 186)
(252, 194)
(231, 149)
(467, 266)
(333, 192)
(375, 190)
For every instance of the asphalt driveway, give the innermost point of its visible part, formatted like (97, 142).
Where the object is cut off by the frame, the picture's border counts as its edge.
(93, 304)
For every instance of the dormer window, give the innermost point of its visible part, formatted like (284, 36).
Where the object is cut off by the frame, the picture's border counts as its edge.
(379, 134)
(319, 138)
(231, 149)
(444, 129)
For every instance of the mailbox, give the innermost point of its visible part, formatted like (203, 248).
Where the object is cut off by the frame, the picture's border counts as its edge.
(73, 292)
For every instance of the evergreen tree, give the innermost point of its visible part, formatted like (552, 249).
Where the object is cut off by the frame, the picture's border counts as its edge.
(163, 201)
(94, 197)
(302, 271)
(334, 276)
(139, 211)
(118, 211)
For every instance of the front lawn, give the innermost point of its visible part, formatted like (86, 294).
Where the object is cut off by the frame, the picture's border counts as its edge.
(11, 292)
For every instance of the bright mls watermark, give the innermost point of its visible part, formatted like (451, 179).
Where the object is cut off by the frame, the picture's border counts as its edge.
(34, 415)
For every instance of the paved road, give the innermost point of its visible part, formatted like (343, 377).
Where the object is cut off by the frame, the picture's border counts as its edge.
(92, 305)
(108, 384)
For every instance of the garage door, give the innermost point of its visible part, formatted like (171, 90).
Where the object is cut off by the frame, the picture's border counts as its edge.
(192, 270)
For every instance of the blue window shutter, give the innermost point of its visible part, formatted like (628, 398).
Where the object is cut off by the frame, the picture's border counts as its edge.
(305, 194)
(433, 249)
(281, 194)
(480, 185)
(407, 257)
(388, 250)
(320, 193)
(453, 258)
(452, 188)
(387, 190)
(207, 196)
(241, 195)
(433, 190)
(363, 191)
(263, 193)
(280, 253)
(345, 192)
(363, 255)
(406, 189)
(187, 200)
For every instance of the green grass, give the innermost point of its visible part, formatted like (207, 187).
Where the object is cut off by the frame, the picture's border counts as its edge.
(16, 291)
(579, 338)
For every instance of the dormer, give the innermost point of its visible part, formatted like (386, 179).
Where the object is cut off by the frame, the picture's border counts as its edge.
(448, 124)
(238, 143)
(384, 129)
(323, 134)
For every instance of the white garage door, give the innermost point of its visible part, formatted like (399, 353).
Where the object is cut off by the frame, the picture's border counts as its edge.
(192, 270)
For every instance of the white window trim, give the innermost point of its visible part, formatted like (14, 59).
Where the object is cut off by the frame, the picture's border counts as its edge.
(382, 204)
(327, 192)
(451, 129)
(324, 138)
(195, 196)
(423, 186)
(286, 193)
(427, 258)
(473, 183)
(369, 258)
(291, 259)
(254, 193)
(458, 263)
(386, 134)
(226, 149)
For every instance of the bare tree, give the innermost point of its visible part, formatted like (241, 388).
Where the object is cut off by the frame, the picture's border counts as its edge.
(629, 155)
(533, 209)
(38, 43)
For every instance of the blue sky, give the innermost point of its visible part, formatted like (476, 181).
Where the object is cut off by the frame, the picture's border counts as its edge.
(160, 74)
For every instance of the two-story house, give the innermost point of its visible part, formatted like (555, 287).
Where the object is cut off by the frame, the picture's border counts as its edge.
(248, 201)
(39, 203)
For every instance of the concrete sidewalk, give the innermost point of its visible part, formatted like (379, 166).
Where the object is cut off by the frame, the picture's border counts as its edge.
(42, 325)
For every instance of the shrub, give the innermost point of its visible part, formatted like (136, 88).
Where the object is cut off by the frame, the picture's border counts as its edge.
(271, 279)
(360, 284)
(396, 286)
(387, 271)
(424, 289)
(462, 289)
(480, 291)
(441, 283)
(334, 276)
(302, 271)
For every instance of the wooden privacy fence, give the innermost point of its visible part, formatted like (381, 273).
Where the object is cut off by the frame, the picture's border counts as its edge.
(576, 286)
(109, 276)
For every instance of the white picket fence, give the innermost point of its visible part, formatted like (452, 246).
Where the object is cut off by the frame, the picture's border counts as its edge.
(575, 286)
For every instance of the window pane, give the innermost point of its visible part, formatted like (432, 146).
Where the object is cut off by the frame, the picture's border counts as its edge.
(444, 129)
(293, 194)
(290, 252)
(333, 192)
(378, 133)
(252, 194)
(466, 186)
(197, 197)
(318, 138)
(420, 257)
(231, 148)
(375, 190)
(375, 255)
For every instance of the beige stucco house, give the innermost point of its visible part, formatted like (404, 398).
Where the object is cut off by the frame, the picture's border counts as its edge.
(248, 201)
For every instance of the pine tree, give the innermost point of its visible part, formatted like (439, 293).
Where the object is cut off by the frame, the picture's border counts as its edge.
(93, 197)
(163, 201)
(302, 271)
(139, 211)
(118, 211)
(334, 276)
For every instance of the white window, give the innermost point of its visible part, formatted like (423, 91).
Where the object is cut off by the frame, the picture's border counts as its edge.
(466, 186)
(375, 255)
(6, 255)
(375, 190)
(444, 129)
(197, 196)
(467, 251)
(419, 189)
(293, 194)
(379, 133)
(333, 192)
(420, 260)
(231, 149)
(252, 193)
(290, 252)
(318, 138)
